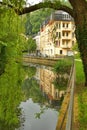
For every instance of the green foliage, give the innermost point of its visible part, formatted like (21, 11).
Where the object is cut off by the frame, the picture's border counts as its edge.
(31, 45)
(30, 71)
(11, 46)
(60, 83)
(31, 87)
(32, 90)
(15, 3)
(62, 70)
(63, 66)
(28, 25)
(2, 58)
(75, 47)
(35, 19)
(10, 93)
(10, 42)
(77, 56)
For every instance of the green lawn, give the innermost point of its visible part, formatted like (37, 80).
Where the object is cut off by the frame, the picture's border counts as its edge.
(79, 72)
(82, 95)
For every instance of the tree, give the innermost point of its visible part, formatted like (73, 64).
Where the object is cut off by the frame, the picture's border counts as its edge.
(31, 45)
(34, 20)
(78, 10)
(62, 71)
(28, 25)
(11, 73)
(75, 47)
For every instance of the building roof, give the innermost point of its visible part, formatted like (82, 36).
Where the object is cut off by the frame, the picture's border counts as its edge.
(58, 16)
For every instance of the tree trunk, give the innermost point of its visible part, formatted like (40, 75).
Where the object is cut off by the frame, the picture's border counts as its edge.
(81, 35)
(80, 18)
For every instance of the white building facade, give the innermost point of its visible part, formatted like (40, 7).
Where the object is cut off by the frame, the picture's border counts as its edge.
(57, 35)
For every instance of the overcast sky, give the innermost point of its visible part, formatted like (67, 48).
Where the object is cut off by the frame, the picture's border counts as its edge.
(33, 1)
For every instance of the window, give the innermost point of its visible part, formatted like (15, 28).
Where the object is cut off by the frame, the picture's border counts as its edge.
(67, 34)
(67, 25)
(63, 24)
(56, 34)
(63, 34)
(67, 16)
(56, 25)
(59, 34)
(64, 16)
(60, 51)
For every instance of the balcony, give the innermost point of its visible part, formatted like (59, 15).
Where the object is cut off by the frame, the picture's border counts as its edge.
(65, 46)
(66, 38)
(66, 29)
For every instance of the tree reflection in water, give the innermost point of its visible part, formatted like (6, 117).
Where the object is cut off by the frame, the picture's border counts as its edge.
(31, 89)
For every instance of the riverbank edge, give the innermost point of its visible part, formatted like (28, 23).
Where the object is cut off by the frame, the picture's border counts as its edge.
(42, 61)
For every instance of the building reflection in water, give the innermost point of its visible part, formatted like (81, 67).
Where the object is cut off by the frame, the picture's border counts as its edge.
(45, 76)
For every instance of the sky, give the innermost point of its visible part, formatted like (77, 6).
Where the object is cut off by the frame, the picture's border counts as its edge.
(33, 1)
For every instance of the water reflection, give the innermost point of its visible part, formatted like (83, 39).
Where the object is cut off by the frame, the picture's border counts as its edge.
(47, 77)
(41, 98)
(47, 120)
(41, 81)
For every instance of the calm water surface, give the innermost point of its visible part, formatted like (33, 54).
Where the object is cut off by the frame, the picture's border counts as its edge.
(47, 120)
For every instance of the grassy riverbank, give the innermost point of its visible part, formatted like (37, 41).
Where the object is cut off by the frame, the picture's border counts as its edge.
(82, 96)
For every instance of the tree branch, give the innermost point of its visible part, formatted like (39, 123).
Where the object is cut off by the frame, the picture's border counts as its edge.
(57, 6)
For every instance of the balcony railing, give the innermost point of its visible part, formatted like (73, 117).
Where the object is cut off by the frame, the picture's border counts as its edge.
(66, 46)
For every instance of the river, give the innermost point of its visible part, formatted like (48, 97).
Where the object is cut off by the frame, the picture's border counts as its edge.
(47, 120)
(37, 113)
(31, 88)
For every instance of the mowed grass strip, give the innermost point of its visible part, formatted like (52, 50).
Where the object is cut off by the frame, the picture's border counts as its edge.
(79, 72)
(82, 95)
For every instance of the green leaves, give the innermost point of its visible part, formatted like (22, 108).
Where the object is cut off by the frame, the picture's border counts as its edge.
(11, 46)
(62, 66)
(31, 45)
(35, 19)
(62, 70)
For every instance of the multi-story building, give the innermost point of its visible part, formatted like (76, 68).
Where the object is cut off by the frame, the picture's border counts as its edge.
(57, 34)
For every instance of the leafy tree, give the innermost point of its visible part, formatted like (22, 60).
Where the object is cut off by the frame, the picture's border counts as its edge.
(11, 47)
(31, 45)
(62, 70)
(31, 87)
(75, 47)
(31, 71)
(34, 20)
(78, 10)
(28, 25)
